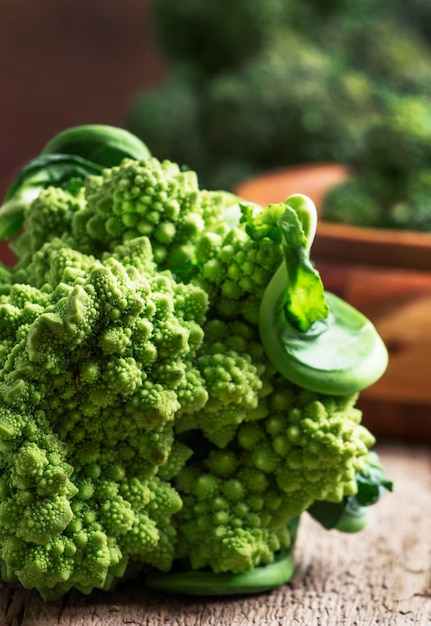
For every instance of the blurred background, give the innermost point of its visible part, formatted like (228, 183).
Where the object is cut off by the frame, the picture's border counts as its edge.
(235, 89)
(65, 63)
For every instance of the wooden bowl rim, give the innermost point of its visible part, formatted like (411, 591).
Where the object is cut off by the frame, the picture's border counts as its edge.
(383, 247)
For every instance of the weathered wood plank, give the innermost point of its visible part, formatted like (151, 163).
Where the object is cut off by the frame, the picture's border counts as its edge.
(381, 577)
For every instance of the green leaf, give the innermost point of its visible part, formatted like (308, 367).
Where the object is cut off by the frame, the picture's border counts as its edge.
(372, 482)
(262, 223)
(327, 514)
(44, 171)
(50, 169)
(304, 299)
(312, 337)
(100, 143)
(68, 158)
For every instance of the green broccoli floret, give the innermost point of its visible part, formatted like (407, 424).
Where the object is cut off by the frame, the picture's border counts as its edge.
(399, 142)
(362, 200)
(389, 49)
(251, 116)
(374, 199)
(412, 209)
(284, 83)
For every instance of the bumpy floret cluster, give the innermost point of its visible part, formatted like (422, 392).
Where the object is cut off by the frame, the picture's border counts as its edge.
(300, 448)
(304, 442)
(140, 419)
(149, 198)
(88, 390)
(233, 368)
(48, 216)
(235, 270)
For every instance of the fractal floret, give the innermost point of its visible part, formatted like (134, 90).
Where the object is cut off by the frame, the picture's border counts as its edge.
(175, 390)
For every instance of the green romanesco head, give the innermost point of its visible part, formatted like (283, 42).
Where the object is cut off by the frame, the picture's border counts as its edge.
(311, 443)
(89, 400)
(152, 198)
(140, 419)
(232, 367)
(229, 519)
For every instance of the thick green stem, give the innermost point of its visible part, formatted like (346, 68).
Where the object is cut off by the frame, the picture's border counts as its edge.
(205, 583)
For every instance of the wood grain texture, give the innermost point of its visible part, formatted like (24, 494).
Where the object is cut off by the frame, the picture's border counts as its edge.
(381, 577)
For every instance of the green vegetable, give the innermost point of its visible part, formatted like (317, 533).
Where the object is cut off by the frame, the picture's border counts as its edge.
(145, 427)
(105, 145)
(351, 514)
(41, 172)
(208, 583)
(69, 157)
(390, 183)
(281, 83)
(315, 339)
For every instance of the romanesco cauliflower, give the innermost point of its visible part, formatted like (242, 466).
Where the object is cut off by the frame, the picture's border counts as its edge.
(144, 424)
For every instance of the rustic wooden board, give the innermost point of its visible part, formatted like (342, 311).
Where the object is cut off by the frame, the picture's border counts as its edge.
(381, 577)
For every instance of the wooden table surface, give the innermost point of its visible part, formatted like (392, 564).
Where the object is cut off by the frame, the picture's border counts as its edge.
(381, 576)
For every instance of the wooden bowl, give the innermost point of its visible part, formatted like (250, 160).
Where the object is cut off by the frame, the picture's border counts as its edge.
(386, 275)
